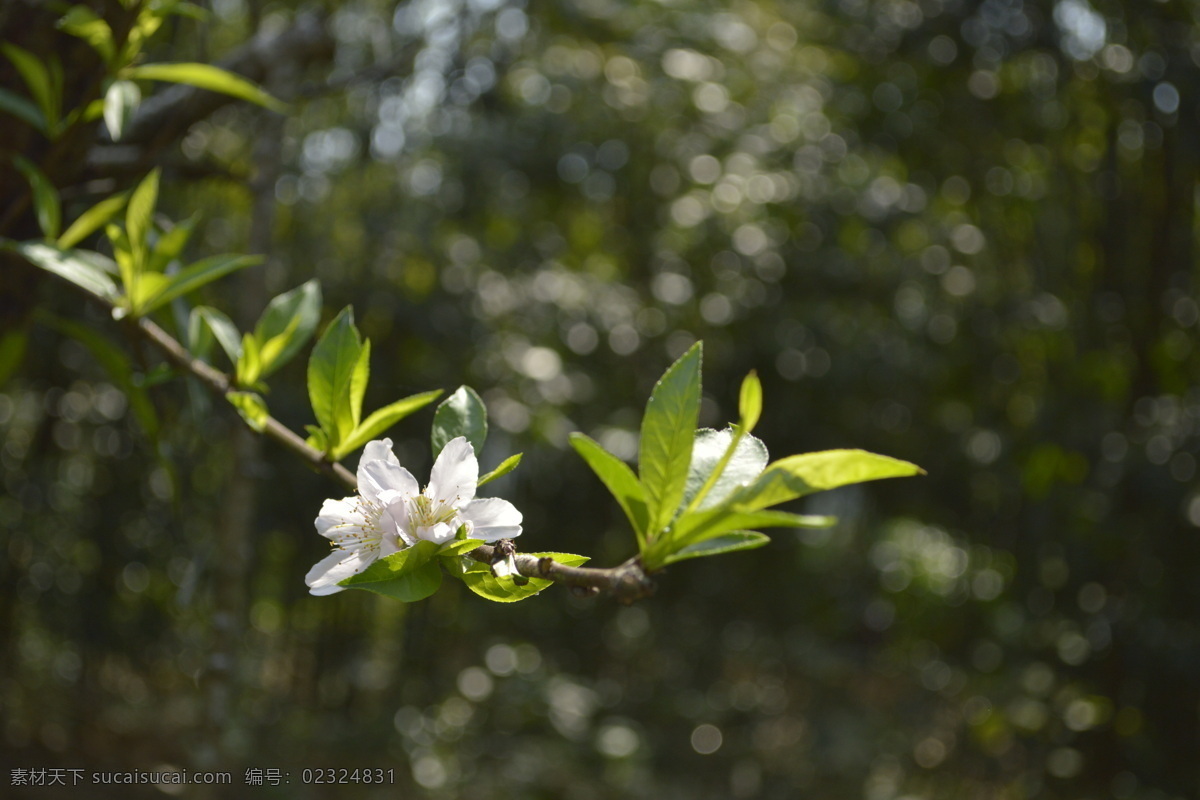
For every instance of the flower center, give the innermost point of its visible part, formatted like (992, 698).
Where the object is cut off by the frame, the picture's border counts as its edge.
(425, 512)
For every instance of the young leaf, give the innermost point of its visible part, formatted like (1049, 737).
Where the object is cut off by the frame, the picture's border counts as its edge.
(24, 110)
(249, 362)
(744, 465)
(730, 542)
(409, 575)
(81, 21)
(460, 414)
(479, 578)
(74, 266)
(170, 244)
(668, 428)
(620, 481)
(39, 80)
(330, 369)
(506, 466)
(296, 314)
(139, 217)
(252, 408)
(195, 276)
(458, 547)
(45, 198)
(317, 439)
(206, 322)
(349, 413)
(381, 420)
(92, 220)
(750, 402)
(799, 475)
(121, 102)
(206, 76)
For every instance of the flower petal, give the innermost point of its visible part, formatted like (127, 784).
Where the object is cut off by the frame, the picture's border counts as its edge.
(492, 518)
(395, 525)
(455, 474)
(325, 575)
(338, 518)
(378, 450)
(376, 477)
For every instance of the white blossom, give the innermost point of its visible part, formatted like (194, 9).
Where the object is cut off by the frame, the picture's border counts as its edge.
(390, 512)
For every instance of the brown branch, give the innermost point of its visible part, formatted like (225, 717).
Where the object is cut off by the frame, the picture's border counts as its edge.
(625, 582)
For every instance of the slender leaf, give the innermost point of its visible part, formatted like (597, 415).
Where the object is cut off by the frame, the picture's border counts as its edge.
(379, 421)
(121, 102)
(409, 575)
(799, 475)
(330, 369)
(92, 220)
(45, 198)
(13, 344)
(22, 109)
(249, 361)
(317, 438)
(460, 414)
(349, 411)
(169, 246)
(206, 76)
(39, 80)
(252, 407)
(72, 265)
(139, 218)
(81, 21)
(208, 321)
(506, 466)
(458, 547)
(620, 481)
(197, 275)
(750, 402)
(297, 311)
(668, 429)
(701, 526)
(728, 543)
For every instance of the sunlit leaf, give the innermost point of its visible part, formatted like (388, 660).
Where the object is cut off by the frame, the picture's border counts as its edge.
(799, 475)
(506, 466)
(205, 323)
(294, 316)
(744, 465)
(750, 402)
(479, 579)
(668, 428)
(72, 265)
(409, 575)
(83, 22)
(252, 408)
(728, 543)
(379, 421)
(330, 369)
(206, 76)
(619, 479)
(193, 277)
(92, 220)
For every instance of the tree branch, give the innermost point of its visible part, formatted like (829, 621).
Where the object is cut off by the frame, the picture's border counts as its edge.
(625, 582)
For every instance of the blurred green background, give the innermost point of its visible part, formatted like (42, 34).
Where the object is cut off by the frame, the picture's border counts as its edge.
(959, 233)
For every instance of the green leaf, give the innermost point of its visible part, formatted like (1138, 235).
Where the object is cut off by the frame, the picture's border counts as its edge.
(249, 362)
(729, 543)
(479, 579)
(252, 408)
(460, 414)
(506, 466)
(317, 438)
(139, 218)
(291, 319)
(750, 402)
(668, 428)
(800, 475)
(330, 370)
(206, 322)
(349, 413)
(197, 275)
(701, 526)
(411, 574)
(39, 80)
(81, 21)
(45, 198)
(169, 246)
(92, 220)
(206, 76)
(381, 420)
(620, 481)
(458, 547)
(744, 465)
(24, 110)
(77, 266)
